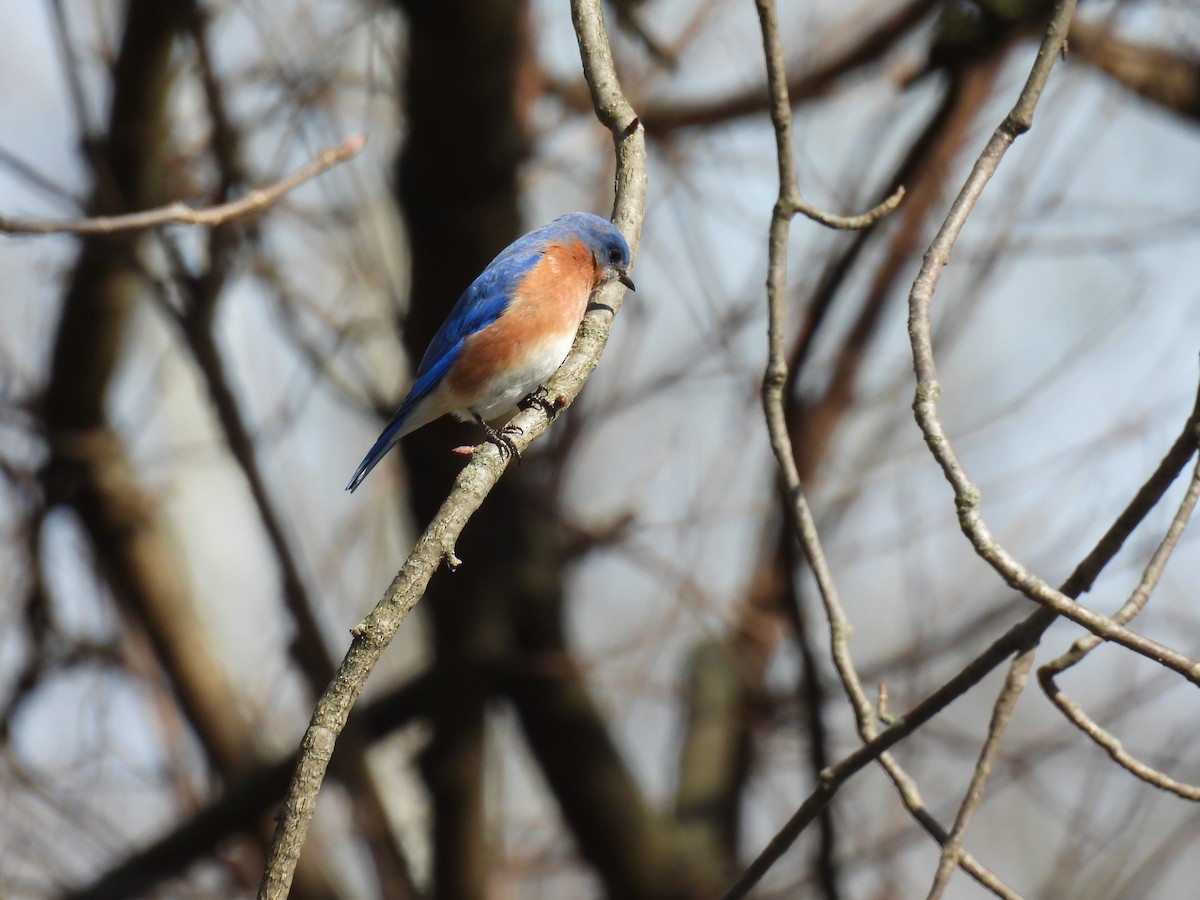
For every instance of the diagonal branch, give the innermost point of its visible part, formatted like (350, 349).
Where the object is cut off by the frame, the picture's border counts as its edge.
(1082, 647)
(472, 485)
(1019, 639)
(1002, 713)
(179, 213)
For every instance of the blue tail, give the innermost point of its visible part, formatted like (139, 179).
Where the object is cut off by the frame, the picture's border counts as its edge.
(442, 352)
(391, 436)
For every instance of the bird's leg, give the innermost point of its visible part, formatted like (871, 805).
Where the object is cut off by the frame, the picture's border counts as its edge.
(502, 441)
(539, 399)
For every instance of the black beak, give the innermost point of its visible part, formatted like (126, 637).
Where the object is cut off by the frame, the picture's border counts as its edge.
(626, 280)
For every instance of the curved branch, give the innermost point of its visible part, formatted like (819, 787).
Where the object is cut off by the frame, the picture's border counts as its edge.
(775, 384)
(1018, 639)
(790, 201)
(1082, 647)
(475, 481)
(966, 494)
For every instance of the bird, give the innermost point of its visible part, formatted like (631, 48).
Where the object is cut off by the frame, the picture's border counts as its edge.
(509, 331)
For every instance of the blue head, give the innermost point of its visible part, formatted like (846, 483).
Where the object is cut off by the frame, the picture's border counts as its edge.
(610, 252)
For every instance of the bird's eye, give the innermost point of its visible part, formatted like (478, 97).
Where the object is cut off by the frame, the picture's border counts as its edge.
(614, 254)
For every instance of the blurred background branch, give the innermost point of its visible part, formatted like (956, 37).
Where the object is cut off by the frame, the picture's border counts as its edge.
(626, 689)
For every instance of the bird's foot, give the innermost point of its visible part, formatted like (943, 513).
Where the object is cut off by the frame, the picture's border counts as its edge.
(550, 406)
(504, 443)
(501, 439)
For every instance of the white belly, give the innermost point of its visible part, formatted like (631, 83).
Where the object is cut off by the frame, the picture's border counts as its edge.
(499, 397)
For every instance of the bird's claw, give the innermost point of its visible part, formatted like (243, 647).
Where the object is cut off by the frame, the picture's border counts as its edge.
(503, 442)
(551, 407)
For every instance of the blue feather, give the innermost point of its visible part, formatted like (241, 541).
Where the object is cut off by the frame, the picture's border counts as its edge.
(480, 305)
(483, 303)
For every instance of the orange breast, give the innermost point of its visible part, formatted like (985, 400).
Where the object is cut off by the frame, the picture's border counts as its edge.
(546, 309)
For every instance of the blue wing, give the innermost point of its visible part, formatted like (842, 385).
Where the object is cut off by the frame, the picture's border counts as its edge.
(480, 305)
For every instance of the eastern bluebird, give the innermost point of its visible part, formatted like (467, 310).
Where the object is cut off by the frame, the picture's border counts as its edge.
(510, 330)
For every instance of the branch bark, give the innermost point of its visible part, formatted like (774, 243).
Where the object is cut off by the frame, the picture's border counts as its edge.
(437, 543)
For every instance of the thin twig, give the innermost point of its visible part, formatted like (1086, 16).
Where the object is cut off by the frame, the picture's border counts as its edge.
(790, 201)
(774, 384)
(179, 213)
(1018, 639)
(475, 481)
(928, 391)
(915, 804)
(1027, 633)
(775, 377)
(1001, 715)
(1082, 647)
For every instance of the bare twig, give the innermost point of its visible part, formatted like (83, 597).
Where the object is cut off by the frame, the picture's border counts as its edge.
(1018, 639)
(1082, 647)
(790, 201)
(180, 213)
(966, 494)
(1001, 716)
(775, 377)
(1027, 633)
(774, 384)
(910, 796)
(473, 484)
